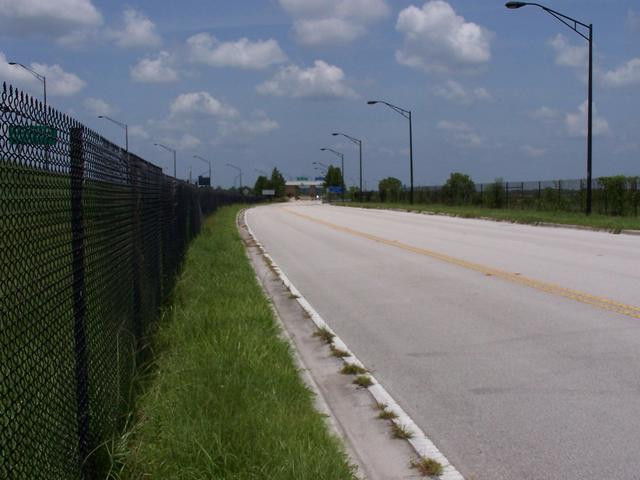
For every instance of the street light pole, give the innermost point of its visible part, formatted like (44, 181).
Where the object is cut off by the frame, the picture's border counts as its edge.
(209, 162)
(43, 79)
(574, 25)
(341, 155)
(239, 170)
(174, 157)
(121, 125)
(359, 143)
(409, 116)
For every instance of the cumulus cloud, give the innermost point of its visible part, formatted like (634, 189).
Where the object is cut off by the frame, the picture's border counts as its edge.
(97, 106)
(139, 131)
(577, 122)
(544, 114)
(136, 31)
(456, 92)
(155, 70)
(200, 103)
(623, 76)
(533, 152)
(461, 133)
(322, 81)
(258, 124)
(436, 39)
(333, 22)
(568, 55)
(60, 19)
(206, 49)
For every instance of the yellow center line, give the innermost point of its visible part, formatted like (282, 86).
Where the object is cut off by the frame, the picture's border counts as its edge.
(599, 302)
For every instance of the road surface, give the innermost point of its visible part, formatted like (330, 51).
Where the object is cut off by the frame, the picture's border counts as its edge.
(515, 348)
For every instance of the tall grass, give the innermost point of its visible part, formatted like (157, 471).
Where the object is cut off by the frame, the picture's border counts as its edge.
(226, 401)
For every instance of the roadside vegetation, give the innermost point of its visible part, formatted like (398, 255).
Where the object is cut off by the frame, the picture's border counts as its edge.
(614, 224)
(224, 399)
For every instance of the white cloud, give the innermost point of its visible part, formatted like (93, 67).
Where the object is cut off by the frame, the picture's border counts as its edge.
(625, 75)
(139, 131)
(461, 133)
(436, 39)
(333, 22)
(260, 123)
(577, 123)
(188, 141)
(456, 92)
(59, 19)
(137, 31)
(568, 55)
(59, 82)
(200, 103)
(533, 152)
(544, 114)
(317, 82)
(97, 106)
(206, 49)
(155, 70)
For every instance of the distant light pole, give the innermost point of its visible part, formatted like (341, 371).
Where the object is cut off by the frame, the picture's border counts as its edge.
(573, 24)
(43, 79)
(208, 162)
(359, 143)
(174, 157)
(341, 155)
(121, 125)
(406, 114)
(239, 170)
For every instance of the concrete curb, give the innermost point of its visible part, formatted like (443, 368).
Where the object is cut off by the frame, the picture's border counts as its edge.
(420, 443)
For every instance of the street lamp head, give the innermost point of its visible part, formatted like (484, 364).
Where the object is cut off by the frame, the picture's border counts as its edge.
(100, 116)
(322, 150)
(372, 102)
(13, 63)
(336, 134)
(514, 5)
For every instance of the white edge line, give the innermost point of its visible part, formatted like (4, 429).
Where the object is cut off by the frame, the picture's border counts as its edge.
(422, 445)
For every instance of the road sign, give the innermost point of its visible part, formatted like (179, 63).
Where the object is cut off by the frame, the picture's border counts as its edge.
(32, 135)
(319, 179)
(268, 193)
(302, 179)
(204, 181)
(335, 189)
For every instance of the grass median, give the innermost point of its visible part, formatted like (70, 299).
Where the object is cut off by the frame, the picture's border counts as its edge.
(614, 224)
(225, 400)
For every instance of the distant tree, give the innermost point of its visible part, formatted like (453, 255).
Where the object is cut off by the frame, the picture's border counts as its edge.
(278, 183)
(389, 188)
(615, 192)
(333, 178)
(459, 189)
(262, 183)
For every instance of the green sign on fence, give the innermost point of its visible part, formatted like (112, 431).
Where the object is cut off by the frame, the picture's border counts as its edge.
(32, 135)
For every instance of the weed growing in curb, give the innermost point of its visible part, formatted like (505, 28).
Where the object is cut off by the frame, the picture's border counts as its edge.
(428, 467)
(293, 296)
(387, 414)
(324, 334)
(401, 432)
(363, 381)
(352, 369)
(336, 352)
(380, 406)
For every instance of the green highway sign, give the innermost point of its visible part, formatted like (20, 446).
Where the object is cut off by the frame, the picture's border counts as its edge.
(32, 135)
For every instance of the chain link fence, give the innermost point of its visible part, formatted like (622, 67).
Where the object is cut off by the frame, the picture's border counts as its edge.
(91, 242)
(617, 195)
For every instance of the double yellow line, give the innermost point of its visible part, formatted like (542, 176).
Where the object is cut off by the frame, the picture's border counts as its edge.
(582, 297)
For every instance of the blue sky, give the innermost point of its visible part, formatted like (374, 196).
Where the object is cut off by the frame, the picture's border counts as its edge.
(263, 83)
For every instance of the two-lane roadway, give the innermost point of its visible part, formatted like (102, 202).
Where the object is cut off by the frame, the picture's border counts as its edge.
(515, 348)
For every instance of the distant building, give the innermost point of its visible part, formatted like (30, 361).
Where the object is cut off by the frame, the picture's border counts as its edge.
(304, 188)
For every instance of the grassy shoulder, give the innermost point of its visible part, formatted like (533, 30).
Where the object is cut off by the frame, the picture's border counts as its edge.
(226, 400)
(615, 224)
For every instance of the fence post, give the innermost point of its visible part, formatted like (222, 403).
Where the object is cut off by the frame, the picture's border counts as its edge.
(136, 257)
(506, 190)
(79, 302)
(635, 203)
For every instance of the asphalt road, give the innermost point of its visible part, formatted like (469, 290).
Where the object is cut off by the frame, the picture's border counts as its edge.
(515, 348)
